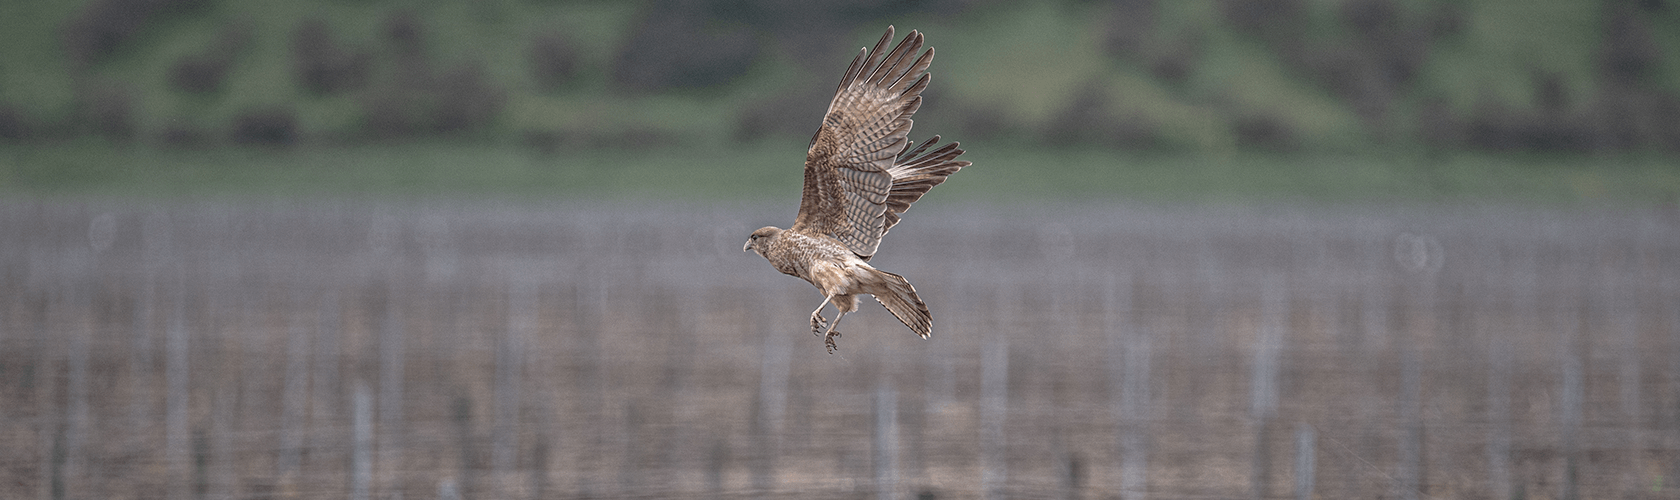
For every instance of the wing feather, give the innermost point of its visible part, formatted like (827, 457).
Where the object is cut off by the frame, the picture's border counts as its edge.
(914, 175)
(860, 170)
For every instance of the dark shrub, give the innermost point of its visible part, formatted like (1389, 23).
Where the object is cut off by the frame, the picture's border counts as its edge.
(1175, 61)
(267, 126)
(1279, 22)
(544, 142)
(1550, 94)
(394, 113)
(1437, 129)
(796, 113)
(13, 125)
(1631, 118)
(1447, 20)
(177, 134)
(102, 27)
(457, 101)
(979, 122)
(1665, 107)
(1264, 132)
(632, 138)
(755, 123)
(1349, 74)
(405, 33)
(1492, 125)
(466, 99)
(554, 61)
(204, 72)
(106, 111)
(1630, 51)
(324, 67)
(1394, 46)
(1083, 119)
(1131, 25)
(1089, 119)
(199, 73)
(671, 48)
(1367, 17)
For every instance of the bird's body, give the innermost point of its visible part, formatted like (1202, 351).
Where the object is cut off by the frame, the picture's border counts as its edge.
(860, 174)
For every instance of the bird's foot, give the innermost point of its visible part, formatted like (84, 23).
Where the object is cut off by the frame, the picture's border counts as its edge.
(817, 324)
(829, 341)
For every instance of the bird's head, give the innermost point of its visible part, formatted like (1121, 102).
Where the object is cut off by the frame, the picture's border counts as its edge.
(763, 234)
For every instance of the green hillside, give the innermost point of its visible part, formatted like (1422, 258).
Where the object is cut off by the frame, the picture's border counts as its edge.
(1144, 77)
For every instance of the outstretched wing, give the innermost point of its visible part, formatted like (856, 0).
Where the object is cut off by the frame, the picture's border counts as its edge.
(913, 176)
(847, 182)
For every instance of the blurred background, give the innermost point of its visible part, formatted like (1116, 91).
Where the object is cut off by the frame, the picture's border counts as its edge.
(1208, 249)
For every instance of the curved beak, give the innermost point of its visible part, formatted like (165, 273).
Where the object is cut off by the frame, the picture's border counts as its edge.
(747, 246)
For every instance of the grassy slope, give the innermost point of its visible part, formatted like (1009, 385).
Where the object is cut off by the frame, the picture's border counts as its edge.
(1025, 60)
(770, 170)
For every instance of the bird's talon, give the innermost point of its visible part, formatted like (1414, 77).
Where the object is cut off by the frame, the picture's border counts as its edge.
(817, 324)
(829, 341)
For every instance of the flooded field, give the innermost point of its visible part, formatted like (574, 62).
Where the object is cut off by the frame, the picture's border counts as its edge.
(362, 350)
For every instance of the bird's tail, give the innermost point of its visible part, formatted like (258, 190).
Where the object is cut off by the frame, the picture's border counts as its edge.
(894, 292)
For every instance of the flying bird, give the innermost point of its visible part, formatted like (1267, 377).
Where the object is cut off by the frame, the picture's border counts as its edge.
(861, 172)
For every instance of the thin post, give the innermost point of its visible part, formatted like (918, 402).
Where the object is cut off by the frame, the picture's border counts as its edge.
(1626, 319)
(361, 442)
(1263, 380)
(1409, 476)
(1306, 461)
(510, 349)
(773, 368)
(1671, 287)
(886, 442)
(1128, 369)
(76, 391)
(994, 410)
(44, 384)
(219, 476)
(294, 393)
(327, 394)
(176, 436)
(1499, 415)
(392, 356)
(1571, 393)
(1421, 256)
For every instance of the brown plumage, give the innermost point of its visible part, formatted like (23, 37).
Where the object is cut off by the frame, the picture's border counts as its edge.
(860, 174)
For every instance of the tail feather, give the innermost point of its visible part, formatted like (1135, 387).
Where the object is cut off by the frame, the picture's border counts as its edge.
(900, 298)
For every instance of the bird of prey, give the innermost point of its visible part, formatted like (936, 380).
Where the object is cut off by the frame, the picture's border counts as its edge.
(861, 172)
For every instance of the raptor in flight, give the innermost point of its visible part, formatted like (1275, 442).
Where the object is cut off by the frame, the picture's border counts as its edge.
(861, 172)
